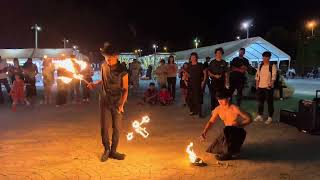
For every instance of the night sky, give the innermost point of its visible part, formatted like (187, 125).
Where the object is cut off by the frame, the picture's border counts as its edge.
(138, 24)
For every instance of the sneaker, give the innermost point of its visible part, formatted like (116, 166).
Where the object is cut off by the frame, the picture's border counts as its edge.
(281, 99)
(117, 156)
(258, 118)
(268, 121)
(28, 103)
(105, 156)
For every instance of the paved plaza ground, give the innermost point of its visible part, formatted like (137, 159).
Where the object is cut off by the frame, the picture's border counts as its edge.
(45, 142)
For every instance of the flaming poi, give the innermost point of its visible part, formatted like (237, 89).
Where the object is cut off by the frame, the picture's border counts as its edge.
(193, 157)
(68, 65)
(138, 129)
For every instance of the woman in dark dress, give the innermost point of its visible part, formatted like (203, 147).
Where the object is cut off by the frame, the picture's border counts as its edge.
(197, 78)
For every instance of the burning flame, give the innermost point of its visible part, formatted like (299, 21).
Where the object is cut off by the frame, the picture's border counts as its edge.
(192, 154)
(138, 129)
(68, 65)
(65, 79)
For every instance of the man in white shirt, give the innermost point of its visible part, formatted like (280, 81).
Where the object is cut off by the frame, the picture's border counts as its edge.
(3, 78)
(265, 78)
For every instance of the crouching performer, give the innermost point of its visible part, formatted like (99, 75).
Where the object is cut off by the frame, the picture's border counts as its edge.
(228, 143)
(113, 95)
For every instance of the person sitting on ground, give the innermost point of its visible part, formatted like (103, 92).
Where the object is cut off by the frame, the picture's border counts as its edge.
(229, 142)
(165, 96)
(151, 94)
(17, 92)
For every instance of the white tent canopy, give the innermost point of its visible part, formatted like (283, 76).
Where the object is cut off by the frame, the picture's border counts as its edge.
(40, 53)
(254, 48)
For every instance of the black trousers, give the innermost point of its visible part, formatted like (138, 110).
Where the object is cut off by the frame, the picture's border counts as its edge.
(229, 141)
(264, 94)
(239, 87)
(6, 85)
(116, 118)
(172, 86)
(62, 93)
(31, 89)
(85, 89)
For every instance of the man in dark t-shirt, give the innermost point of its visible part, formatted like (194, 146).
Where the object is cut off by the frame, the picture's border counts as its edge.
(239, 66)
(218, 72)
(113, 95)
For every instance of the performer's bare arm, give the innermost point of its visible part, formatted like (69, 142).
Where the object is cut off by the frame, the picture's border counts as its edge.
(125, 87)
(209, 124)
(245, 118)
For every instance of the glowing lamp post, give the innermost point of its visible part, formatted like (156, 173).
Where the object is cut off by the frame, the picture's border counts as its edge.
(165, 49)
(65, 42)
(196, 42)
(311, 25)
(138, 51)
(155, 53)
(246, 25)
(36, 29)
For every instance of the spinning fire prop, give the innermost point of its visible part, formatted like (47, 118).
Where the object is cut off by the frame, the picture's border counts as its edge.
(138, 129)
(69, 65)
(193, 157)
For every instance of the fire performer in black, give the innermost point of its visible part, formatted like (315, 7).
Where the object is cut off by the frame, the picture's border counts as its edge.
(229, 142)
(113, 95)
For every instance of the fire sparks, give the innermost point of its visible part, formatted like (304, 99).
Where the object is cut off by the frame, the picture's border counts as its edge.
(192, 154)
(138, 129)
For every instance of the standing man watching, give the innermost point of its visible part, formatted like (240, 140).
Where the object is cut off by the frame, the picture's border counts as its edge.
(265, 78)
(3, 78)
(239, 66)
(113, 95)
(218, 72)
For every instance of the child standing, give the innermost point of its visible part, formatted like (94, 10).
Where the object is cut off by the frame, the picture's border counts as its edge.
(165, 96)
(17, 92)
(151, 94)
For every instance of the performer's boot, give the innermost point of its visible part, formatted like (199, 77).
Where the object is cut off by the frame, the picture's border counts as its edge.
(117, 156)
(105, 156)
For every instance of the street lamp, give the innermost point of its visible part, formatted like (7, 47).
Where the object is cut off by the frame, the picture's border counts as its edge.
(311, 25)
(155, 53)
(196, 42)
(75, 47)
(246, 25)
(165, 49)
(36, 28)
(238, 37)
(138, 52)
(65, 42)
